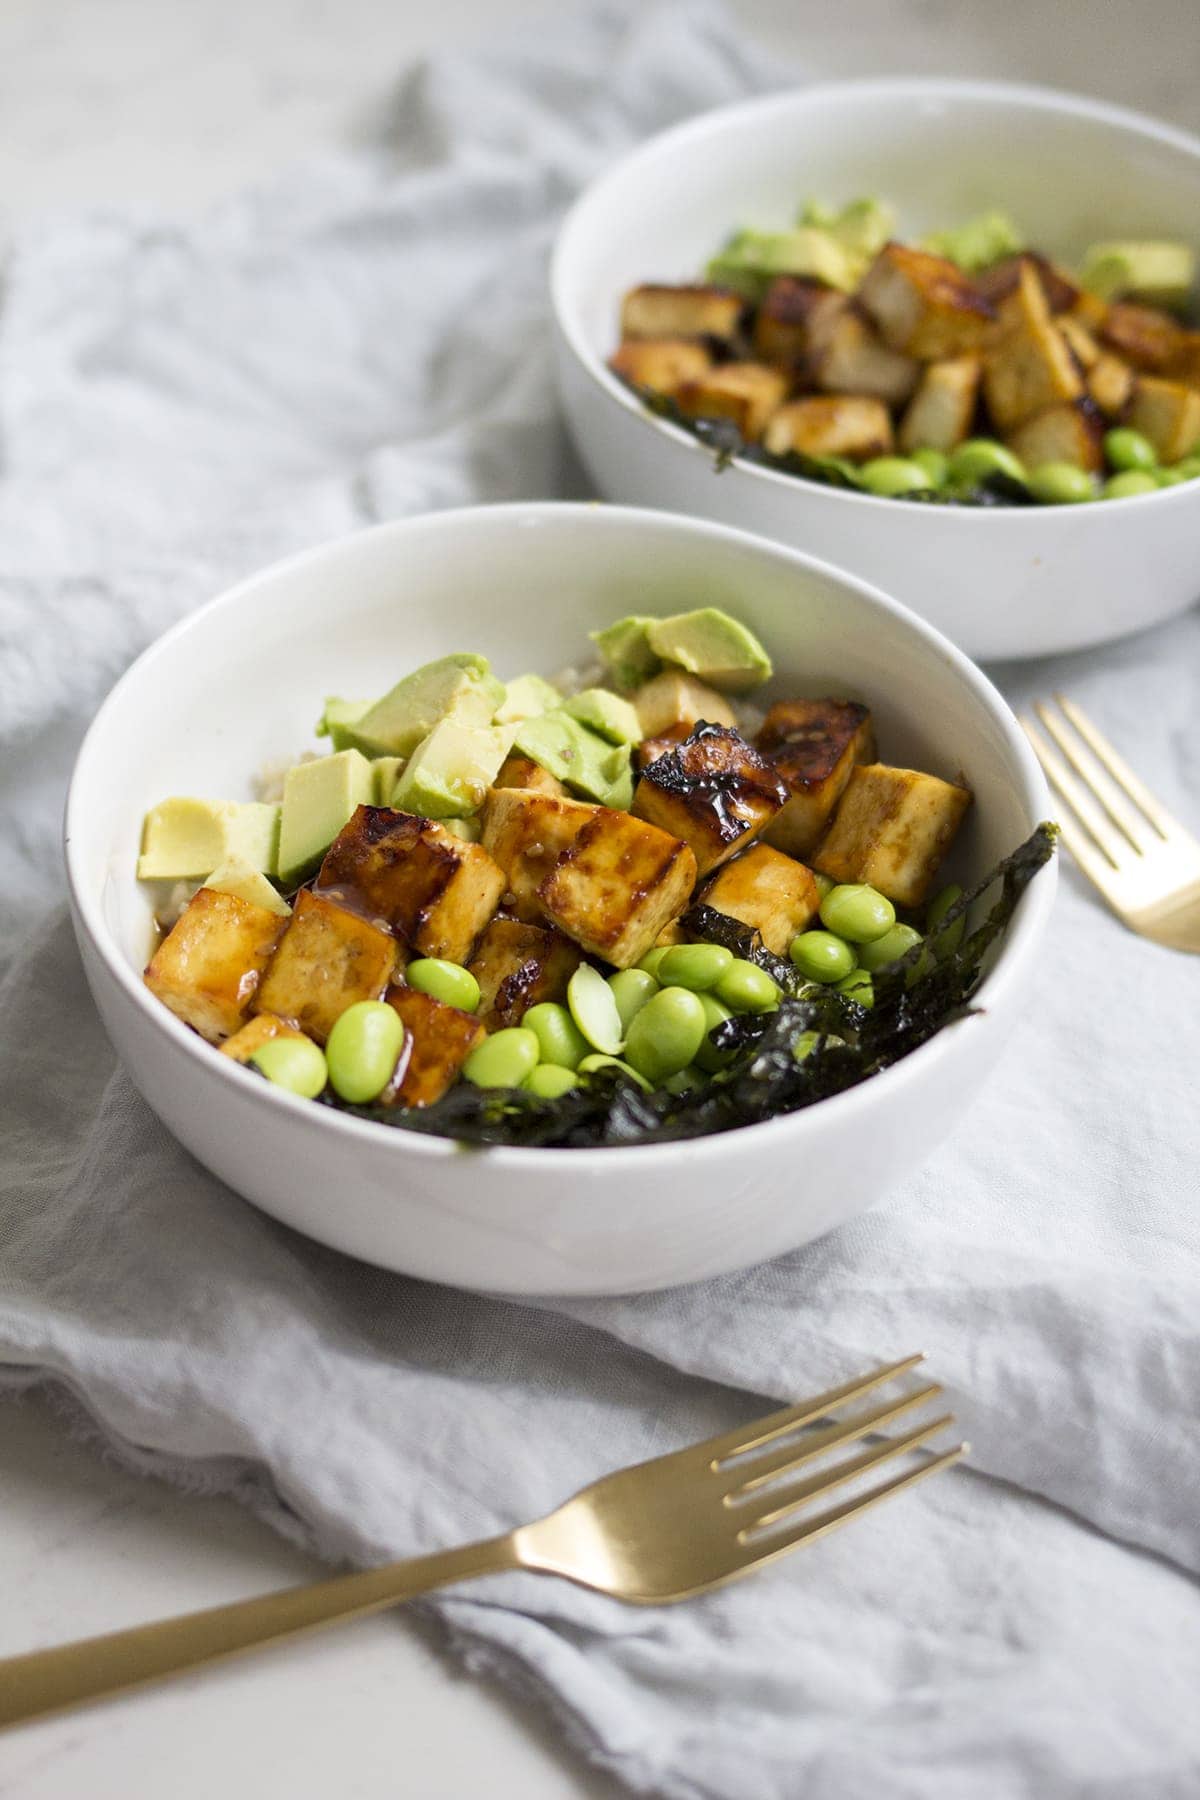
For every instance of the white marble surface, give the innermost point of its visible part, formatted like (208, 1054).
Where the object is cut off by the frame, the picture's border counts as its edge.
(173, 102)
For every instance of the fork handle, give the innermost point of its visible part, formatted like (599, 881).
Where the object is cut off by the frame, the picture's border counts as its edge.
(69, 1675)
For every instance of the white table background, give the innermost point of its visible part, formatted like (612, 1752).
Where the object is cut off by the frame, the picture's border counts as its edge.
(175, 102)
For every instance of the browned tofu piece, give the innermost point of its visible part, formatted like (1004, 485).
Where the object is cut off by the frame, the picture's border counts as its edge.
(792, 318)
(849, 358)
(209, 966)
(1003, 278)
(618, 885)
(257, 1032)
(1080, 341)
(1145, 336)
(651, 748)
(671, 934)
(675, 699)
(1185, 363)
(852, 425)
(923, 304)
(1028, 367)
(772, 893)
(1072, 432)
(814, 745)
(525, 833)
(522, 772)
(437, 1042)
(328, 959)
(517, 966)
(1110, 385)
(939, 415)
(661, 364)
(1168, 413)
(1090, 311)
(689, 312)
(715, 791)
(435, 890)
(891, 829)
(745, 392)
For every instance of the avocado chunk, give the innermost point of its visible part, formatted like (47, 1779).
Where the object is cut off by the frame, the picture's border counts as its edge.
(460, 686)
(577, 756)
(470, 830)
(318, 798)
(710, 644)
(525, 698)
(185, 839)
(625, 647)
(241, 878)
(977, 243)
(862, 227)
(338, 720)
(607, 714)
(751, 259)
(1160, 273)
(450, 772)
(387, 771)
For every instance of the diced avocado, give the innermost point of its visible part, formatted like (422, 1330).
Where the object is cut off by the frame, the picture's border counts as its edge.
(525, 698)
(318, 797)
(470, 829)
(239, 877)
(449, 773)
(710, 644)
(626, 650)
(620, 793)
(614, 718)
(750, 260)
(387, 771)
(978, 242)
(338, 720)
(579, 757)
(183, 839)
(862, 226)
(460, 686)
(1160, 273)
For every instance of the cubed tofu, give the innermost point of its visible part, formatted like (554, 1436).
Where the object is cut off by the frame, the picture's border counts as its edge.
(328, 959)
(1090, 311)
(892, 829)
(674, 699)
(210, 964)
(747, 393)
(661, 364)
(813, 745)
(715, 791)
(1080, 341)
(1185, 363)
(1002, 279)
(518, 966)
(522, 772)
(923, 304)
(1072, 432)
(435, 889)
(691, 311)
(1168, 413)
(853, 425)
(1145, 336)
(771, 892)
(257, 1032)
(850, 359)
(670, 935)
(1029, 366)
(793, 317)
(618, 885)
(525, 833)
(939, 415)
(651, 748)
(437, 1042)
(1110, 385)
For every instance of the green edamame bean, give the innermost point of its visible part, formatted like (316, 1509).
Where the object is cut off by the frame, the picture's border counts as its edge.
(631, 989)
(935, 463)
(888, 949)
(296, 1064)
(445, 981)
(504, 1059)
(1188, 467)
(549, 1081)
(978, 458)
(1128, 483)
(695, 966)
(708, 1057)
(685, 1081)
(559, 1038)
(1128, 449)
(857, 912)
(594, 1009)
(652, 958)
(747, 988)
(1061, 484)
(666, 1035)
(820, 956)
(888, 476)
(945, 940)
(361, 1050)
(1173, 477)
(825, 883)
(805, 1044)
(597, 1061)
(858, 986)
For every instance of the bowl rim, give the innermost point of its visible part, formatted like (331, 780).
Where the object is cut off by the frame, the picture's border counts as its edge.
(1015, 952)
(1017, 94)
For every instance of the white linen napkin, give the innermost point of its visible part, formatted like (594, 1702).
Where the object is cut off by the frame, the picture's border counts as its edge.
(181, 401)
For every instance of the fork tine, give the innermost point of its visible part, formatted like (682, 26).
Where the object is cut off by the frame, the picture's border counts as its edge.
(1093, 865)
(789, 1495)
(747, 1477)
(1117, 768)
(757, 1432)
(1074, 793)
(1094, 779)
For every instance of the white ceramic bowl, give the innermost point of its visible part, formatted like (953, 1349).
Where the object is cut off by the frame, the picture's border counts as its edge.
(240, 683)
(1002, 583)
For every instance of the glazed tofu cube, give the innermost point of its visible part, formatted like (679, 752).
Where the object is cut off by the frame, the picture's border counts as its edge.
(660, 364)
(715, 791)
(673, 312)
(768, 891)
(814, 745)
(1004, 277)
(328, 958)
(1144, 335)
(674, 699)
(745, 392)
(1090, 311)
(1029, 366)
(517, 966)
(892, 829)
(1072, 433)
(1080, 341)
(671, 934)
(437, 1042)
(651, 748)
(1185, 364)
(618, 885)
(257, 1032)
(939, 414)
(209, 966)
(1110, 385)
(525, 833)
(853, 425)
(522, 772)
(793, 317)
(435, 889)
(1168, 413)
(924, 304)
(850, 359)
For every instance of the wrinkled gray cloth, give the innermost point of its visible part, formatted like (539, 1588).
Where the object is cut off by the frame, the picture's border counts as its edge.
(180, 402)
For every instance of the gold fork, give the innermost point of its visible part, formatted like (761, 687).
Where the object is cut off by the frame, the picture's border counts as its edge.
(1142, 860)
(657, 1532)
